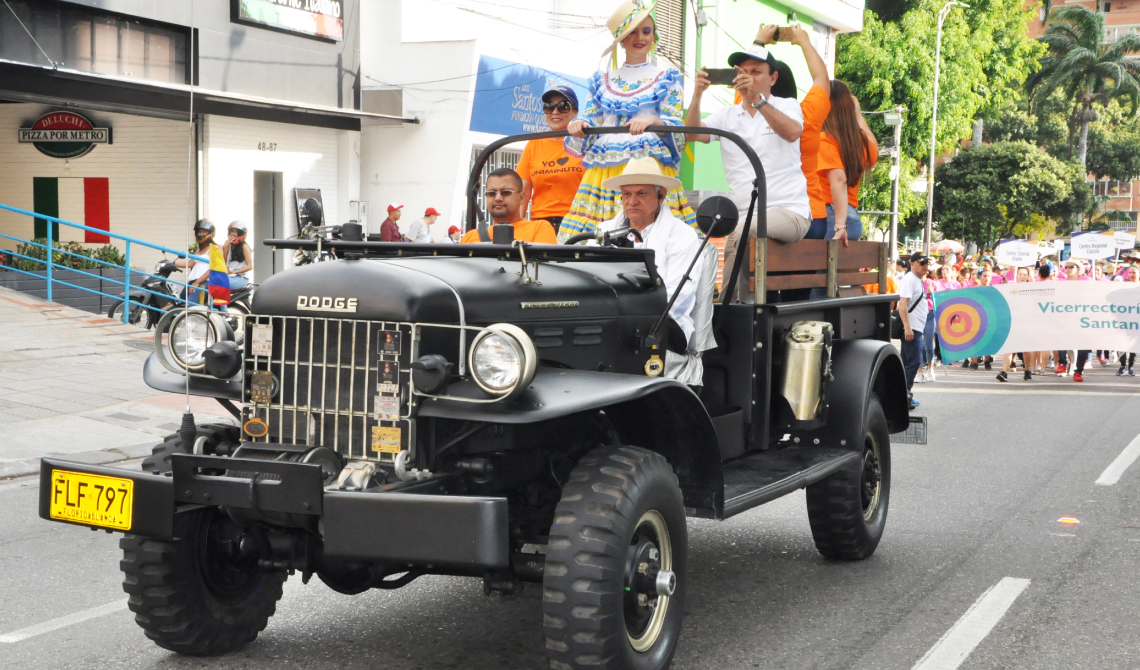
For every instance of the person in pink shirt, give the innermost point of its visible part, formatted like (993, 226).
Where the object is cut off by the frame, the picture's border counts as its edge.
(988, 264)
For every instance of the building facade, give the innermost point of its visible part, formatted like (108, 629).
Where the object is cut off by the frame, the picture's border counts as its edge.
(217, 108)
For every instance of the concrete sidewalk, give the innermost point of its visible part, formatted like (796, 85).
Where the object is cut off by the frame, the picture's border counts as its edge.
(71, 384)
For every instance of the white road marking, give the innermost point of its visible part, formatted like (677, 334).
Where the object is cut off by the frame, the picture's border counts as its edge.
(63, 622)
(949, 652)
(1113, 472)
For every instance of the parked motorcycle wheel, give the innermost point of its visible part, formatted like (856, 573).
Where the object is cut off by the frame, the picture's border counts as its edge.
(140, 316)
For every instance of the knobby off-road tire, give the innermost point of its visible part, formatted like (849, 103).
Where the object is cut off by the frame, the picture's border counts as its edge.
(197, 595)
(621, 509)
(848, 510)
(214, 433)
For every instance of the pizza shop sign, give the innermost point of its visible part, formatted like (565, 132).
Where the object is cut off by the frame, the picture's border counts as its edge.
(64, 135)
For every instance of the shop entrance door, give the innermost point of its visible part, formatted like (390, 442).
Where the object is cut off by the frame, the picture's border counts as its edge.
(268, 223)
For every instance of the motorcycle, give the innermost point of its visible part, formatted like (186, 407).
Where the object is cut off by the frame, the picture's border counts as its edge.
(155, 297)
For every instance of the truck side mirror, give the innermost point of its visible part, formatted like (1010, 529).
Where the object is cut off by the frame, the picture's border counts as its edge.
(717, 217)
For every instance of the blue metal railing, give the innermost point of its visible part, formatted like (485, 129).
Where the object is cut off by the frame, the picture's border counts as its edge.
(50, 264)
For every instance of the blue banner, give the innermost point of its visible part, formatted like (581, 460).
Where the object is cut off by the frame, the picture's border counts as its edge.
(508, 96)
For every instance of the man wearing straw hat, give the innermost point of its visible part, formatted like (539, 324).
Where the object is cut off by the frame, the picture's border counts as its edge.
(643, 187)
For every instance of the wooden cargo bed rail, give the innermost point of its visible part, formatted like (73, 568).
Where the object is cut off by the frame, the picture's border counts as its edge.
(816, 264)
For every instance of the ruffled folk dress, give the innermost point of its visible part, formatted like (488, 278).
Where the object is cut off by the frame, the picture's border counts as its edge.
(617, 97)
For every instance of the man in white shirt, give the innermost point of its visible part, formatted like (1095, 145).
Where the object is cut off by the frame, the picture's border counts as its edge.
(772, 127)
(419, 231)
(643, 188)
(913, 312)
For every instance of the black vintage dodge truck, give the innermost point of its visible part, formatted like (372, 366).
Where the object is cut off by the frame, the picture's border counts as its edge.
(498, 411)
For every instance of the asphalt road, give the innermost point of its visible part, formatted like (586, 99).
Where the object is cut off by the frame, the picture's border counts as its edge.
(977, 505)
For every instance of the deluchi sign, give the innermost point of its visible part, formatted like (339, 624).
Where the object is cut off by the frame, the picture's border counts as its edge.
(64, 135)
(322, 19)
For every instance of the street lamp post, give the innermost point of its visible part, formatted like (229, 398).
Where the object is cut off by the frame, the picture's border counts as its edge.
(927, 234)
(894, 118)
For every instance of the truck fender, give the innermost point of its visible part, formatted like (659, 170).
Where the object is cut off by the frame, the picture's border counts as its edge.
(662, 415)
(860, 368)
(160, 379)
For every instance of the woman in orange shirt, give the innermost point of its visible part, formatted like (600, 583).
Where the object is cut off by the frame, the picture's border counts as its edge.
(551, 176)
(847, 150)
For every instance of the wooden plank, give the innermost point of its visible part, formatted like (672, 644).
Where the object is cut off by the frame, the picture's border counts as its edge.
(801, 256)
(780, 282)
(760, 278)
(883, 265)
(832, 266)
(860, 254)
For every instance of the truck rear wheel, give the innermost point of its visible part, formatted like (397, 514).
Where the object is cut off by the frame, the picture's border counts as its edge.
(614, 582)
(848, 510)
(199, 595)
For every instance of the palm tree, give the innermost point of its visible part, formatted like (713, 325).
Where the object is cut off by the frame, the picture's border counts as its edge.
(1086, 69)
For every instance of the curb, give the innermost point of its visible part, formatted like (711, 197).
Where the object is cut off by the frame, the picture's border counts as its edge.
(31, 466)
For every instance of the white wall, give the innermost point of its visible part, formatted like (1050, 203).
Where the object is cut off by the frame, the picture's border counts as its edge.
(147, 167)
(307, 158)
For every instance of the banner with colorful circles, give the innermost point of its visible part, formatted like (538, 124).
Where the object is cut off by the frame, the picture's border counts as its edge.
(971, 322)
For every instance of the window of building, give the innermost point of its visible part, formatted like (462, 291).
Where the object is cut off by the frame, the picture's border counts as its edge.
(1111, 188)
(670, 20)
(91, 40)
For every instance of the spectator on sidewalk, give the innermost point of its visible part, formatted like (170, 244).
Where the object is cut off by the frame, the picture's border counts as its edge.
(551, 176)
(504, 200)
(453, 235)
(913, 312)
(926, 373)
(419, 231)
(389, 231)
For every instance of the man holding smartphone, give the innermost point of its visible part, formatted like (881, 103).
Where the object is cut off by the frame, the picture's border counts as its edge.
(772, 127)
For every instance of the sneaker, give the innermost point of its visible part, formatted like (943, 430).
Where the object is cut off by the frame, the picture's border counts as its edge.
(1061, 370)
(913, 404)
(1103, 361)
(1131, 373)
(930, 375)
(974, 366)
(1120, 372)
(1078, 377)
(1028, 375)
(988, 365)
(1002, 376)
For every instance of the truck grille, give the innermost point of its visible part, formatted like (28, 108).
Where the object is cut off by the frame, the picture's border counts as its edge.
(327, 381)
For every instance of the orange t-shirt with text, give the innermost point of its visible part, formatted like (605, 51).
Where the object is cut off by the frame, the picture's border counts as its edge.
(816, 105)
(538, 232)
(829, 159)
(553, 174)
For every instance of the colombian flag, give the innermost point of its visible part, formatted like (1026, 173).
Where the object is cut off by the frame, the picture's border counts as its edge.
(219, 277)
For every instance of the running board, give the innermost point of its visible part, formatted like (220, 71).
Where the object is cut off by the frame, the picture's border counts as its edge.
(754, 480)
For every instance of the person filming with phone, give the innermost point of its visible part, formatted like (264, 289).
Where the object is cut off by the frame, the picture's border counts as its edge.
(772, 126)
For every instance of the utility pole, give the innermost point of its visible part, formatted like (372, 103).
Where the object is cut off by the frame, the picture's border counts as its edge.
(927, 234)
(894, 118)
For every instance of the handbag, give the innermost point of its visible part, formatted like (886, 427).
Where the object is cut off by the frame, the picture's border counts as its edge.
(897, 331)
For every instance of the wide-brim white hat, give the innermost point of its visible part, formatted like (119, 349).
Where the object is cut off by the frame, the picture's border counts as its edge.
(627, 17)
(642, 171)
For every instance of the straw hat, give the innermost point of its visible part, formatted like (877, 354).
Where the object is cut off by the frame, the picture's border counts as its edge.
(642, 171)
(627, 16)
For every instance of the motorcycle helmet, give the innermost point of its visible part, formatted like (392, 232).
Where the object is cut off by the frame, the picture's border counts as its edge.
(238, 227)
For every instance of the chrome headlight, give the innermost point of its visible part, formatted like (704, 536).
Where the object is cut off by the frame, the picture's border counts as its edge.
(190, 335)
(503, 360)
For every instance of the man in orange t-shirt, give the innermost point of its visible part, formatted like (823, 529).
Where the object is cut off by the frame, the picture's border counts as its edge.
(504, 200)
(550, 175)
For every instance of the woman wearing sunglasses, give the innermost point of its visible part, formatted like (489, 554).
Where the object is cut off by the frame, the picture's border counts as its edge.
(550, 175)
(639, 94)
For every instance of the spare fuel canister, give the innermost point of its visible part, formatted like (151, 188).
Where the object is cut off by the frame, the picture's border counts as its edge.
(804, 349)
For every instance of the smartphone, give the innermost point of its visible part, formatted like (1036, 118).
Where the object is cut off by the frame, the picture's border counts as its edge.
(722, 76)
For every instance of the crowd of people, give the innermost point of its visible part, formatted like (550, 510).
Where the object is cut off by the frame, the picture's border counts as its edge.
(919, 277)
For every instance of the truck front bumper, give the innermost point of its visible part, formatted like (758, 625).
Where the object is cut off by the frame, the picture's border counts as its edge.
(463, 533)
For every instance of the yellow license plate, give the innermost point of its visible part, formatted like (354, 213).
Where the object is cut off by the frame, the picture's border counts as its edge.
(93, 500)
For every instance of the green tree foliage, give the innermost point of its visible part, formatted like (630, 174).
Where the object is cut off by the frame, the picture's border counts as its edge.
(986, 55)
(1006, 189)
(1086, 70)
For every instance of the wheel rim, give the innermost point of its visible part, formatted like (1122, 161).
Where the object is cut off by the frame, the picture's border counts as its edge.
(650, 551)
(871, 483)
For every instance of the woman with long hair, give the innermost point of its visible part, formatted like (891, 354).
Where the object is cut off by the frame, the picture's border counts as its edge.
(847, 150)
(238, 255)
(638, 94)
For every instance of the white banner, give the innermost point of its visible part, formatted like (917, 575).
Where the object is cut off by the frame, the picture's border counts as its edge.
(1100, 244)
(1125, 240)
(1038, 316)
(1017, 253)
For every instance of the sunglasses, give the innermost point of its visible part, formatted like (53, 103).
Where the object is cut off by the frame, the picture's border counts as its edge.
(563, 106)
(506, 193)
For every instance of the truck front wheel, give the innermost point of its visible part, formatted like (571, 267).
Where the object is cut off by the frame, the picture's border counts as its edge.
(614, 581)
(848, 510)
(202, 594)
